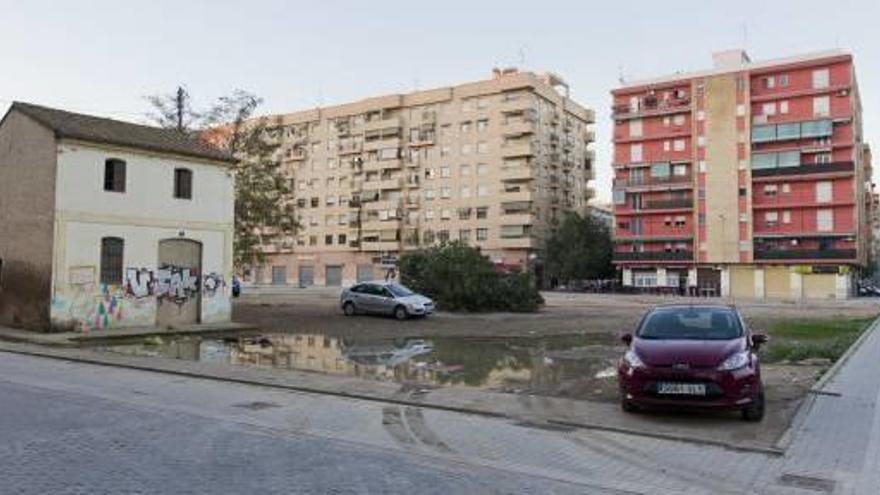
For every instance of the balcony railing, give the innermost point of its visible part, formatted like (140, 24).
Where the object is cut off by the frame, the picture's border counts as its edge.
(653, 181)
(650, 104)
(669, 203)
(654, 256)
(805, 169)
(805, 254)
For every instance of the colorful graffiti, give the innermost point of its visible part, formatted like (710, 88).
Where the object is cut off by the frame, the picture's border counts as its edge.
(88, 305)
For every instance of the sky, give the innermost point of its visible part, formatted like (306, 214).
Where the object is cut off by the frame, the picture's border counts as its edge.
(104, 57)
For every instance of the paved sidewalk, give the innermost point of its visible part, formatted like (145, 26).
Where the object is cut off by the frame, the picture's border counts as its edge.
(836, 448)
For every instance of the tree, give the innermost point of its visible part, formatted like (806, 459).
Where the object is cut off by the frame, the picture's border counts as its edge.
(580, 249)
(263, 195)
(460, 278)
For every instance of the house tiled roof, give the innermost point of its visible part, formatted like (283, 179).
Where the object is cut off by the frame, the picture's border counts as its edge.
(89, 128)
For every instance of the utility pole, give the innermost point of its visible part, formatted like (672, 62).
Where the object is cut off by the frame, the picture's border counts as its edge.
(180, 102)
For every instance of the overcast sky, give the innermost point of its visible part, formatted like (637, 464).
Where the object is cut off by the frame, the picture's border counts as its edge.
(103, 57)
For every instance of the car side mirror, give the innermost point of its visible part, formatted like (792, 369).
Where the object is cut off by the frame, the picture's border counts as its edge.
(626, 338)
(759, 339)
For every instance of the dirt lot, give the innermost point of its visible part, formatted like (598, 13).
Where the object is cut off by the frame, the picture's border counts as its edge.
(567, 350)
(316, 309)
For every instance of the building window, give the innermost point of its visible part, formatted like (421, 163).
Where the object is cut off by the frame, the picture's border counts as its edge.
(771, 218)
(482, 212)
(464, 171)
(464, 235)
(342, 239)
(824, 220)
(482, 169)
(821, 106)
(328, 239)
(783, 107)
(820, 78)
(114, 175)
(769, 82)
(111, 260)
(769, 108)
(482, 234)
(482, 125)
(823, 192)
(635, 152)
(182, 183)
(783, 81)
(635, 128)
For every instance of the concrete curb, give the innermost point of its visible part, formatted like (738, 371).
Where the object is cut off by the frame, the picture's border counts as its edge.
(401, 402)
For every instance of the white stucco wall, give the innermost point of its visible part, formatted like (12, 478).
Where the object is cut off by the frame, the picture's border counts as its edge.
(142, 216)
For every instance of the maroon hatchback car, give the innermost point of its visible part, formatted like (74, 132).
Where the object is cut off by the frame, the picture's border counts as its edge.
(693, 356)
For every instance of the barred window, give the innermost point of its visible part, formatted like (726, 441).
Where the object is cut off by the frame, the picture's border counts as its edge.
(182, 183)
(111, 260)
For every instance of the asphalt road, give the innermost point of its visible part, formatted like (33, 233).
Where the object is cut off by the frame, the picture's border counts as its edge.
(77, 428)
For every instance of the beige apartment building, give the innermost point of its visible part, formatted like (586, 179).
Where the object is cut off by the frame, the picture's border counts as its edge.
(492, 163)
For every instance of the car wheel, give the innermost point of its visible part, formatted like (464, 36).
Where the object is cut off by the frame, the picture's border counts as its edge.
(627, 406)
(400, 313)
(755, 411)
(349, 309)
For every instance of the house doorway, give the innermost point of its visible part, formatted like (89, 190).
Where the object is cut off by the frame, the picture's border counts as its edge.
(179, 282)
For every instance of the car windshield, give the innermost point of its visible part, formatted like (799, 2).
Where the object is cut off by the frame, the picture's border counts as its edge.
(399, 290)
(691, 323)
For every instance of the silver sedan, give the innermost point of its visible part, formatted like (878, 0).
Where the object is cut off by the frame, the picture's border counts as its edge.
(389, 298)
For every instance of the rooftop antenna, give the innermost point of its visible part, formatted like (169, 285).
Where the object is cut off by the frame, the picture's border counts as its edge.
(620, 76)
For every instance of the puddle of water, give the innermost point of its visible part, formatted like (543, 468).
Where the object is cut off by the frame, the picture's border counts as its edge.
(580, 366)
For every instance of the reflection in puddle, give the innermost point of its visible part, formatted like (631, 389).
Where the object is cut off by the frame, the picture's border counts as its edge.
(575, 365)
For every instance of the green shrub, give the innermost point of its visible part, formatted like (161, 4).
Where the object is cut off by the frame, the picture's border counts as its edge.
(459, 278)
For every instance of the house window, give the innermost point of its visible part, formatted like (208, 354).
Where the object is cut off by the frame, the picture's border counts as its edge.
(114, 175)
(482, 234)
(783, 81)
(769, 82)
(783, 107)
(786, 216)
(111, 260)
(328, 239)
(342, 239)
(770, 190)
(183, 183)
(771, 218)
(769, 108)
(464, 235)
(482, 212)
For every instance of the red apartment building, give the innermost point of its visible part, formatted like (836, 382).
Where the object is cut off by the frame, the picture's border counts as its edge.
(747, 180)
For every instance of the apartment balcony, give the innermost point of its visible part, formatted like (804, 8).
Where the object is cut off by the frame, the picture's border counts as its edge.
(669, 204)
(518, 242)
(517, 105)
(806, 169)
(654, 256)
(382, 124)
(514, 150)
(516, 173)
(516, 196)
(381, 143)
(654, 182)
(385, 204)
(517, 218)
(349, 149)
(805, 254)
(666, 235)
(396, 183)
(380, 245)
(368, 225)
(517, 128)
(651, 106)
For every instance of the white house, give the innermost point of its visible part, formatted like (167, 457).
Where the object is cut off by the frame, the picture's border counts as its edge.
(109, 224)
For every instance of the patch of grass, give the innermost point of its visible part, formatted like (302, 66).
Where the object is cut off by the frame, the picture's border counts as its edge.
(799, 339)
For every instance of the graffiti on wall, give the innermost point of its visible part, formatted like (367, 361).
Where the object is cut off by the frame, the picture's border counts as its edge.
(86, 304)
(214, 283)
(176, 284)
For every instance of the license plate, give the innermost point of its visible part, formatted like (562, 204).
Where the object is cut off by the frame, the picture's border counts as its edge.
(681, 389)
